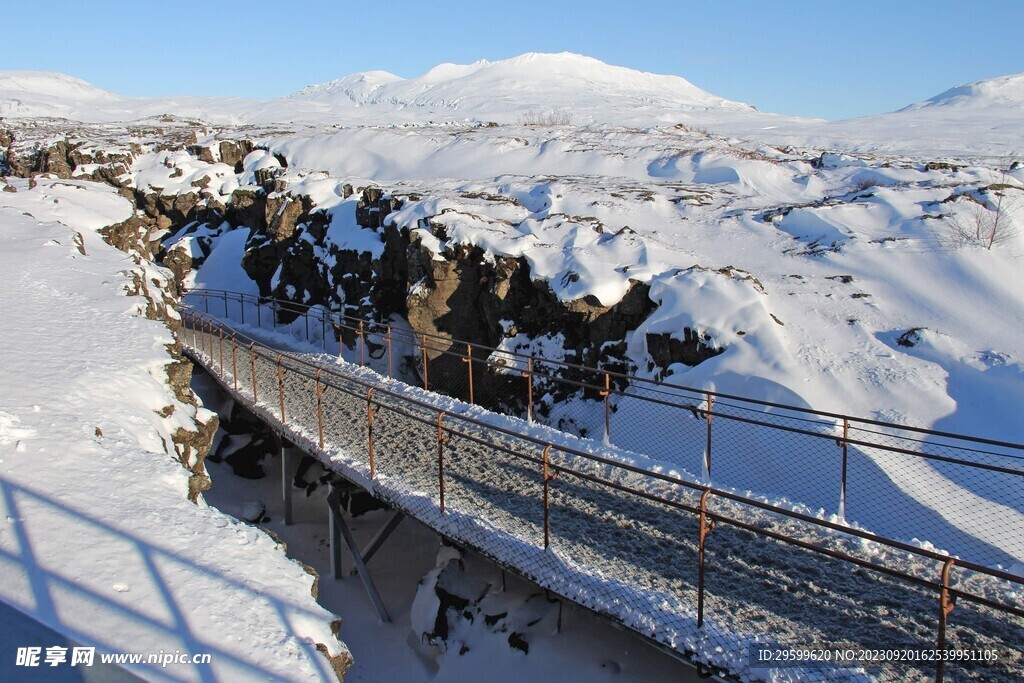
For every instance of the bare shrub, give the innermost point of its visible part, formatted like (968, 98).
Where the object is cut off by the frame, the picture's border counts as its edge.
(553, 117)
(983, 226)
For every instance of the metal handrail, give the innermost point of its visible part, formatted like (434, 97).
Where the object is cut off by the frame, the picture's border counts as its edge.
(673, 389)
(314, 370)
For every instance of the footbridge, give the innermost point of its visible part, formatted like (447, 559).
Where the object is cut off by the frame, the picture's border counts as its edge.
(715, 527)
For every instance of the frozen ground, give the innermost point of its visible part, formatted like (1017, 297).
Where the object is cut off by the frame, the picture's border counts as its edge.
(98, 542)
(620, 555)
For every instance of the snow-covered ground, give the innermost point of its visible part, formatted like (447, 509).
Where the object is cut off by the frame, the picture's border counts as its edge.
(97, 539)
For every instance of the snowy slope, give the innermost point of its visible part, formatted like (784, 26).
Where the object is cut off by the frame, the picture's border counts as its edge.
(849, 255)
(979, 118)
(97, 538)
(1005, 91)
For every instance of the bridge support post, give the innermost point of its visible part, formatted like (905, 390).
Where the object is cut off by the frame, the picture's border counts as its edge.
(339, 530)
(287, 472)
(380, 538)
(707, 450)
(362, 344)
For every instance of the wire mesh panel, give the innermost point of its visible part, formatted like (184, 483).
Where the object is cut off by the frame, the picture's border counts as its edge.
(986, 646)
(405, 453)
(485, 479)
(776, 456)
(638, 554)
(955, 504)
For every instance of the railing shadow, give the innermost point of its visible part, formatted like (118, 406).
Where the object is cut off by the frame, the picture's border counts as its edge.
(56, 588)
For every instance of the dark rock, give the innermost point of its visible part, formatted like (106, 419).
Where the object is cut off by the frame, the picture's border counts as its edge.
(693, 349)
(233, 152)
(516, 641)
(247, 208)
(940, 166)
(911, 337)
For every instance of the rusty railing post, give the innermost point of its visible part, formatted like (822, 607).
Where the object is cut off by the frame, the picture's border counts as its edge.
(389, 351)
(440, 457)
(423, 349)
(468, 360)
(706, 525)
(195, 331)
(220, 328)
(547, 498)
(707, 451)
(280, 385)
(371, 411)
(234, 363)
(341, 344)
(529, 388)
(252, 366)
(320, 389)
(842, 480)
(202, 334)
(362, 344)
(209, 336)
(946, 603)
(606, 393)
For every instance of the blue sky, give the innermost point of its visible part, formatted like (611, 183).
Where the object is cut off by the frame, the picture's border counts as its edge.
(827, 59)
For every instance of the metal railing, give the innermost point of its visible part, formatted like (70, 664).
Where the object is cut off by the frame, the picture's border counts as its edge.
(667, 519)
(858, 469)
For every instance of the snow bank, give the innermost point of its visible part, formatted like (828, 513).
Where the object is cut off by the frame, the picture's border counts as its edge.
(97, 539)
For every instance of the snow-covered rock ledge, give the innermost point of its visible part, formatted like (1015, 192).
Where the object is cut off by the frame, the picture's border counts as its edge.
(98, 539)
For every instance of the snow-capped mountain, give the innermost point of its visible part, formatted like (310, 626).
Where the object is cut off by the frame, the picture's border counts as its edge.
(39, 93)
(595, 91)
(979, 119)
(992, 93)
(532, 86)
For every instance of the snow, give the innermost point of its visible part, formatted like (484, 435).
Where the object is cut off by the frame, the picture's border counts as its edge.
(98, 541)
(223, 268)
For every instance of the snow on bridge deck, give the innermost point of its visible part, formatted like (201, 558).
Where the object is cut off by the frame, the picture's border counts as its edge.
(623, 542)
